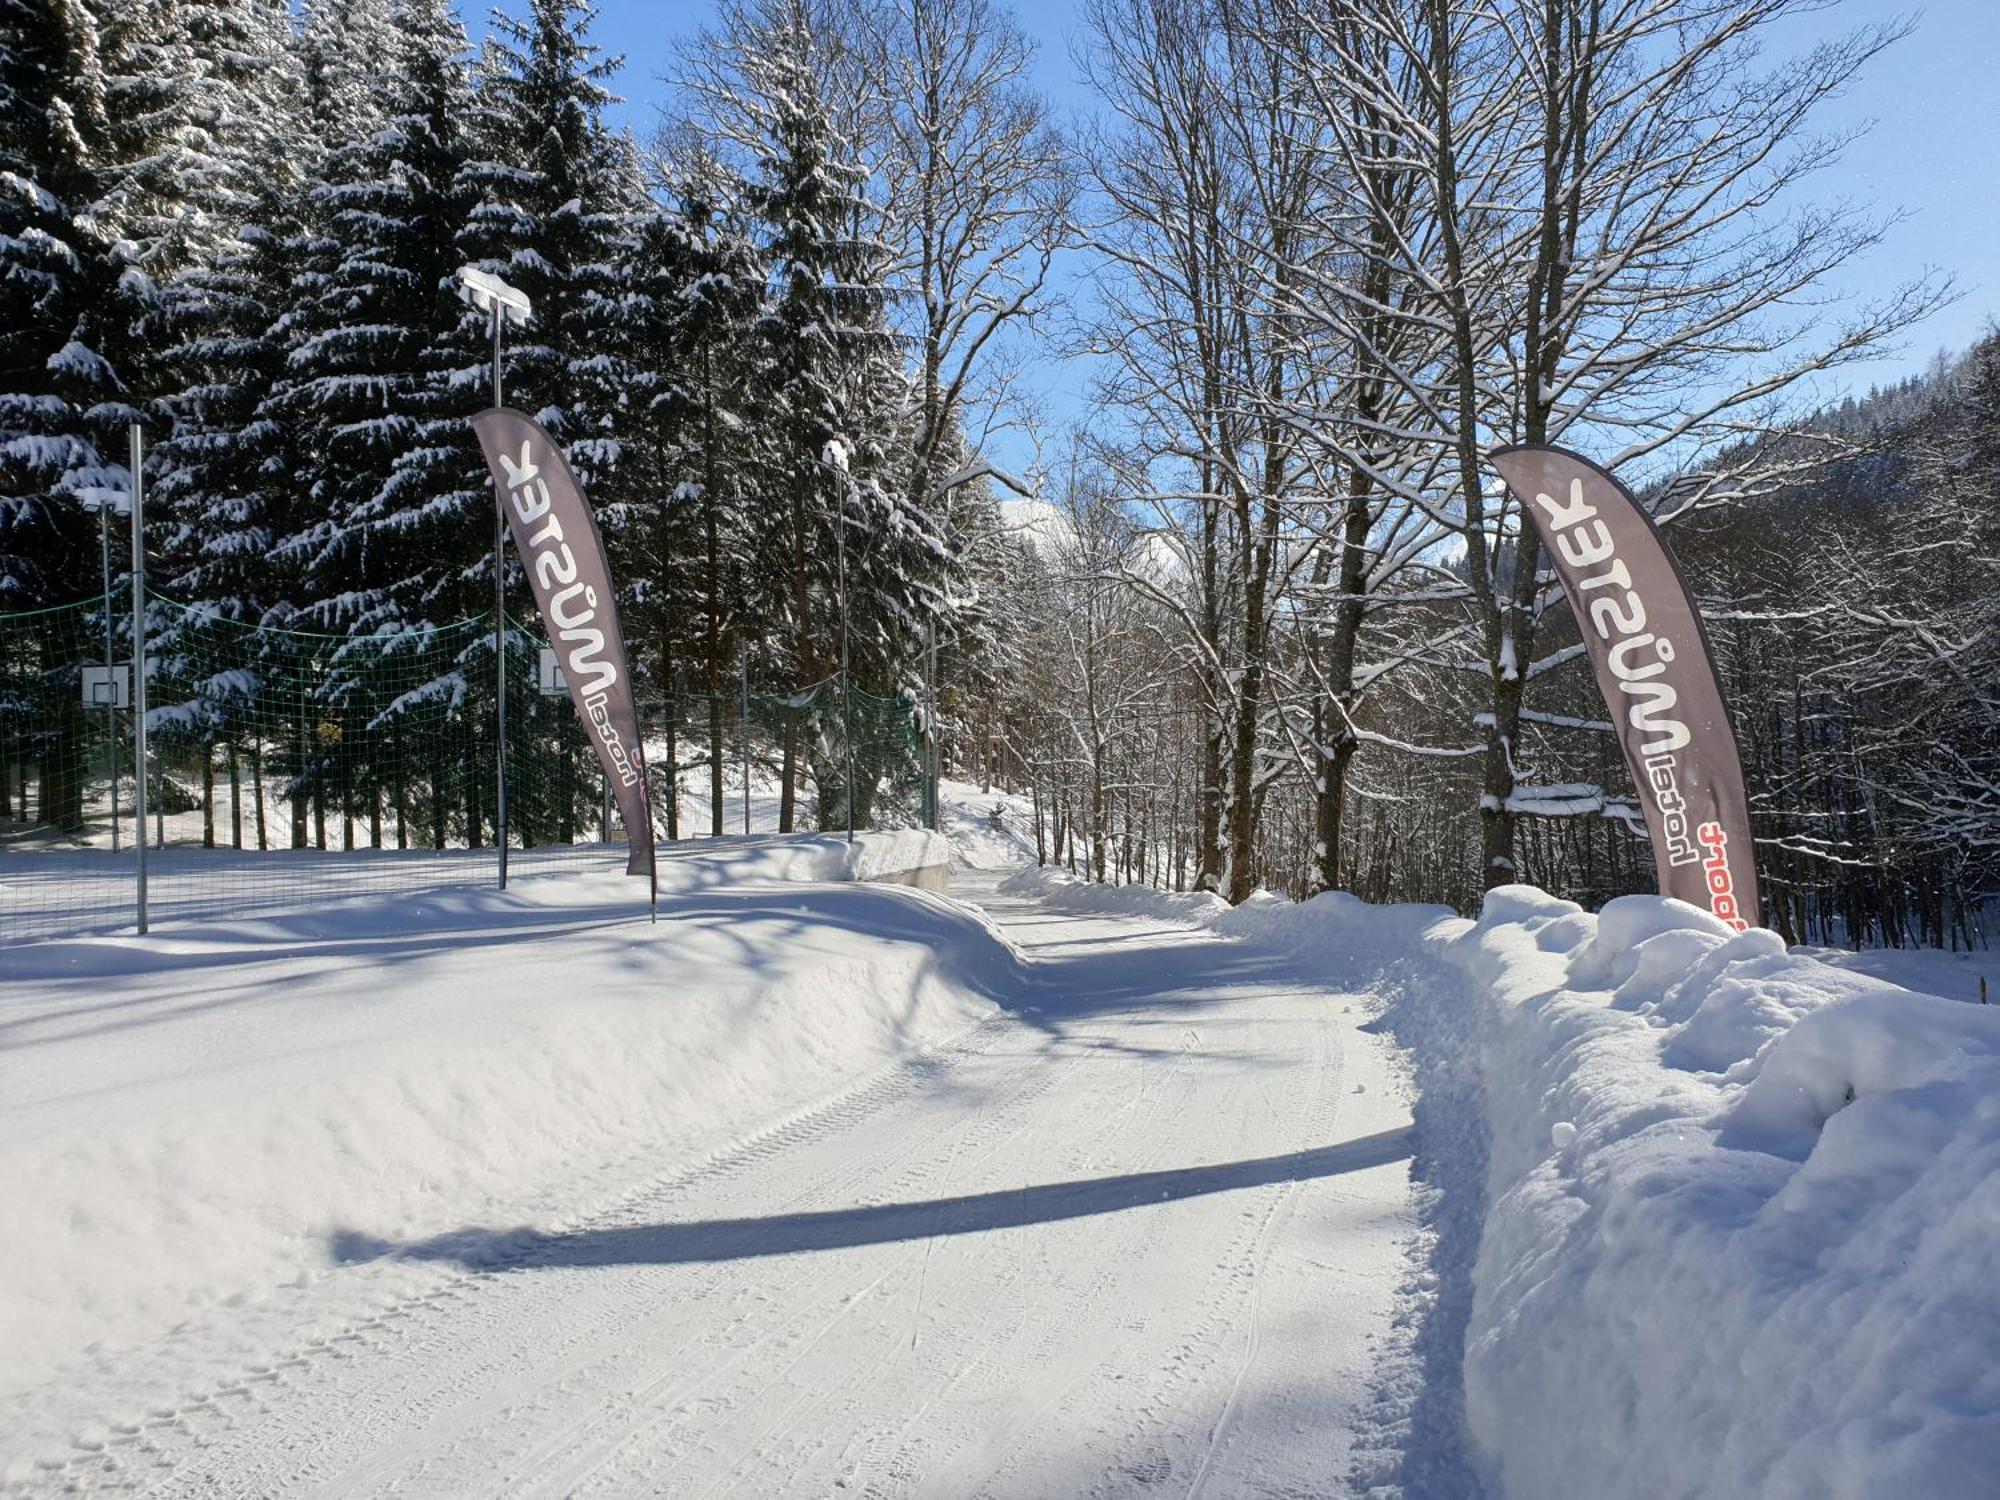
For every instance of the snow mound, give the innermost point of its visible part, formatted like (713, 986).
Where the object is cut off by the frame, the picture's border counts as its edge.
(1742, 1232)
(1064, 892)
(194, 1116)
(1738, 1228)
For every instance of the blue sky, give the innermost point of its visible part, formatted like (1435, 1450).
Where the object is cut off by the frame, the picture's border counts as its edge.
(1933, 150)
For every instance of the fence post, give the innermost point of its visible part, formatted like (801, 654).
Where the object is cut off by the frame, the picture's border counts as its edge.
(138, 455)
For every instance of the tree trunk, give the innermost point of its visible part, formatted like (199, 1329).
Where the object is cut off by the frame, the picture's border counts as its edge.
(475, 836)
(788, 773)
(257, 790)
(437, 801)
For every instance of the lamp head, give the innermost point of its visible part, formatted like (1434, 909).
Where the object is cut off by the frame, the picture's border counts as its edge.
(486, 292)
(112, 502)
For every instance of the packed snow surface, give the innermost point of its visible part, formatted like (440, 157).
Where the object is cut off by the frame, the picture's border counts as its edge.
(821, 1187)
(989, 829)
(812, 1188)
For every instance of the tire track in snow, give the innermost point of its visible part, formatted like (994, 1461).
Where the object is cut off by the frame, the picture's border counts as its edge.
(1120, 1352)
(199, 1419)
(994, 1121)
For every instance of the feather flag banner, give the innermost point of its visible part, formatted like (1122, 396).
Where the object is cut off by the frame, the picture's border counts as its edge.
(1655, 670)
(563, 553)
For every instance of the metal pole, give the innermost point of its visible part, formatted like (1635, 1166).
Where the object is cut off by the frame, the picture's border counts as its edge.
(139, 659)
(932, 764)
(500, 631)
(846, 679)
(110, 667)
(743, 729)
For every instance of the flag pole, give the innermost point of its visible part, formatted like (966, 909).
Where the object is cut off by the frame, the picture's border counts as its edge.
(500, 630)
(846, 677)
(491, 295)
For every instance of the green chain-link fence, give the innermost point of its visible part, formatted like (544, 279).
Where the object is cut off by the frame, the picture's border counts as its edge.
(287, 767)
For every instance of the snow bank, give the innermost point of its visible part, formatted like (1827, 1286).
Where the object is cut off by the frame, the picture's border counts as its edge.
(1333, 928)
(907, 856)
(1742, 1231)
(1726, 1218)
(1065, 892)
(192, 1117)
(1931, 971)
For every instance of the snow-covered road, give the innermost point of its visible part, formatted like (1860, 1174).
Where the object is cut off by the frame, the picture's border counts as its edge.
(1141, 1232)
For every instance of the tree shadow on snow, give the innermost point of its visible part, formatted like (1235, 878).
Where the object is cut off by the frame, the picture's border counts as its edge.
(711, 1240)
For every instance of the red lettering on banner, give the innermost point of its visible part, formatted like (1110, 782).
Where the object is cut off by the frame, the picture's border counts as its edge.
(1721, 884)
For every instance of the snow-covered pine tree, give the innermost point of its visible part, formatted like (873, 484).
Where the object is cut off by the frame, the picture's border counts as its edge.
(83, 206)
(380, 305)
(61, 399)
(347, 57)
(900, 577)
(113, 119)
(435, 507)
(377, 332)
(551, 201)
(343, 46)
(549, 197)
(826, 359)
(188, 114)
(246, 464)
(559, 202)
(219, 482)
(697, 286)
(218, 492)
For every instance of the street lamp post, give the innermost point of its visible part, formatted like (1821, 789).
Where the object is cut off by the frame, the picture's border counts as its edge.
(138, 461)
(846, 675)
(510, 304)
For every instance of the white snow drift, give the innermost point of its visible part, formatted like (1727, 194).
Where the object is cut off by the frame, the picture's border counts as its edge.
(1741, 1218)
(1726, 1219)
(1743, 1222)
(189, 1117)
